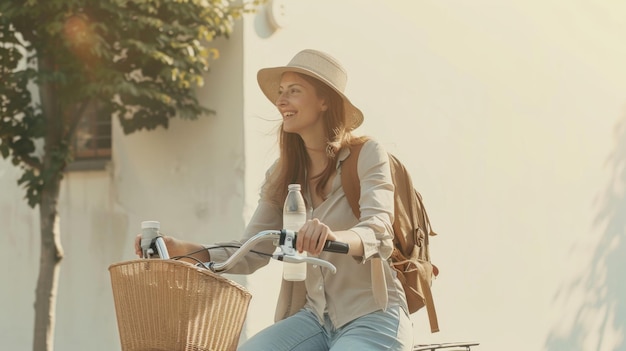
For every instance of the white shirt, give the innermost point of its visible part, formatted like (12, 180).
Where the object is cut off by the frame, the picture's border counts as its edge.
(349, 293)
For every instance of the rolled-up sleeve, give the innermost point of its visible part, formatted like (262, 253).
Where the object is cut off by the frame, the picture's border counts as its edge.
(376, 202)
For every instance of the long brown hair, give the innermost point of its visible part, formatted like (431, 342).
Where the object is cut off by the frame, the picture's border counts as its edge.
(294, 160)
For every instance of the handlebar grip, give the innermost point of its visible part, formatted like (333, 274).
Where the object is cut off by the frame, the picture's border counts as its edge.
(329, 245)
(336, 246)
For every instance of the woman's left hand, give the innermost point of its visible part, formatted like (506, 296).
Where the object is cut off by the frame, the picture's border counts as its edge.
(312, 237)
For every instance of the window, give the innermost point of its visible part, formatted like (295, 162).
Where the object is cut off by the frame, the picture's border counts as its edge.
(92, 142)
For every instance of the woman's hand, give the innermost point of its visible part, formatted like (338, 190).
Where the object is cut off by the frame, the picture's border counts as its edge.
(174, 247)
(312, 237)
(138, 251)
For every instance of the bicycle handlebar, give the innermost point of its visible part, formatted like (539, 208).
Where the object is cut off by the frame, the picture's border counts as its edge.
(283, 239)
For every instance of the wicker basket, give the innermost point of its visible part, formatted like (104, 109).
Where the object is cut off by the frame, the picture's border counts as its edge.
(167, 305)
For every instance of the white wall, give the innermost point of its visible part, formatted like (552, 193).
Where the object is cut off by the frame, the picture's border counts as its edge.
(19, 245)
(510, 115)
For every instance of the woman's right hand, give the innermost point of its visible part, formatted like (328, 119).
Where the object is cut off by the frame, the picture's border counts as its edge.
(176, 247)
(173, 246)
(138, 251)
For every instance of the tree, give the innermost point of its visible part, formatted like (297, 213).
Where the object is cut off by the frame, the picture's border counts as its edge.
(136, 60)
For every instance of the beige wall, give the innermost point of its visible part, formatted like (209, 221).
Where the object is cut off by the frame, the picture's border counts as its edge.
(511, 116)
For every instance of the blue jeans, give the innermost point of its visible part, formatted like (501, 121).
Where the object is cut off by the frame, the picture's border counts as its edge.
(391, 330)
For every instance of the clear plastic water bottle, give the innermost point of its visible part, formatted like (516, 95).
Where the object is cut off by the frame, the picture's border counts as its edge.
(149, 232)
(294, 217)
(152, 244)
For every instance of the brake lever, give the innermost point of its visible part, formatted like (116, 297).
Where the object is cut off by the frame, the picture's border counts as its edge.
(302, 259)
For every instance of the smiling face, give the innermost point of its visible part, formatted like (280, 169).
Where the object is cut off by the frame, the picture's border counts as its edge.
(300, 105)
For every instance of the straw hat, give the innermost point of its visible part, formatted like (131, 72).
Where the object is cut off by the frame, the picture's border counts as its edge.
(317, 65)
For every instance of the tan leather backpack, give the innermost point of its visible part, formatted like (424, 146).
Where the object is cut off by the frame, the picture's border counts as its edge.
(411, 226)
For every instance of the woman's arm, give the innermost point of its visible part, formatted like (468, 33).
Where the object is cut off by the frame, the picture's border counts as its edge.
(373, 235)
(266, 217)
(376, 202)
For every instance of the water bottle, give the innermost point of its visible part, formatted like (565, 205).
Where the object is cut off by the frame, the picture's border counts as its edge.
(151, 239)
(149, 232)
(294, 217)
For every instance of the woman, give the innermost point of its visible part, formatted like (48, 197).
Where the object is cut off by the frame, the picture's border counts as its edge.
(362, 306)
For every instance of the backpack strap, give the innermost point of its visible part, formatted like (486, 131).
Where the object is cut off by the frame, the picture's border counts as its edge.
(430, 304)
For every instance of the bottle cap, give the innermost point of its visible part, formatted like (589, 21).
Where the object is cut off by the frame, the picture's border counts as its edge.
(150, 224)
(293, 187)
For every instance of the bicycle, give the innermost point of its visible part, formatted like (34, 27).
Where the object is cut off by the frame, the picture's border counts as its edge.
(171, 305)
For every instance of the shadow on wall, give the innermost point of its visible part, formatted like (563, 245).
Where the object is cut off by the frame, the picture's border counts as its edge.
(599, 321)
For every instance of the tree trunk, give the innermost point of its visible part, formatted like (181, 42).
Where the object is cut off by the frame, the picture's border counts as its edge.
(49, 268)
(52, 172)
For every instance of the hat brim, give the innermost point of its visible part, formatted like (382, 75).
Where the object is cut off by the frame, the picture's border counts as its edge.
(269, 82)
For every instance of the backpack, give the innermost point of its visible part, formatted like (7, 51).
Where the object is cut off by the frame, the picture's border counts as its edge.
(411, 227)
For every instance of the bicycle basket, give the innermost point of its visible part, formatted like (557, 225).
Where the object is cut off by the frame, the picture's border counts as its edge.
(171, 305)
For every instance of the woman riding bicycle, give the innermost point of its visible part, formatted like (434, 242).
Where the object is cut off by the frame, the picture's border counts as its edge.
(362, 306)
